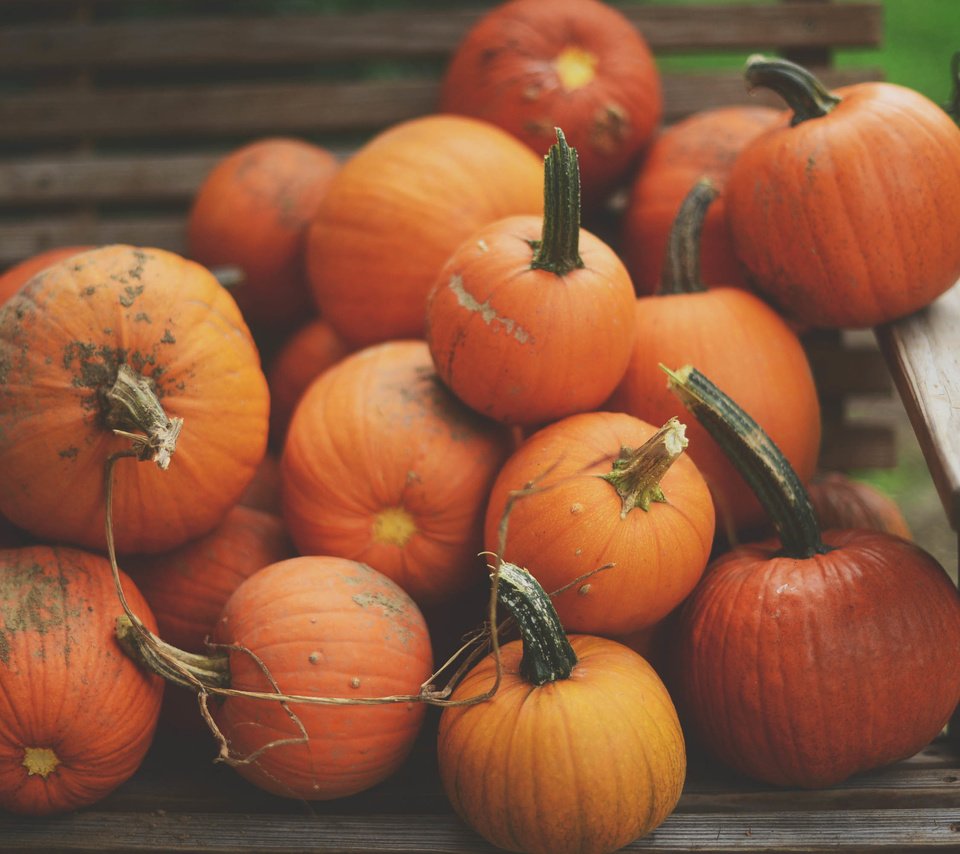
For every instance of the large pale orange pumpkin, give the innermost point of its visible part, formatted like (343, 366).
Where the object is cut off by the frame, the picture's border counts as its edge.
(131, 339)
(76, 715)
(399, 207)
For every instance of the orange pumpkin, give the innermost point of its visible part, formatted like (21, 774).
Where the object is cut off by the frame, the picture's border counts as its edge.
(579, 751)
(384, 465)
(704, 144)
(399, 207)
(530, 66)
(130, 339)
(76, 715)
(843, 213)
(721, 329)
(16, 276)
(607, 489)
(843, 502)
(252, 212)
(529, 319)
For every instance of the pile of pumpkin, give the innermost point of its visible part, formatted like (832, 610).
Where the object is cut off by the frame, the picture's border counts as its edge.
(489, 391)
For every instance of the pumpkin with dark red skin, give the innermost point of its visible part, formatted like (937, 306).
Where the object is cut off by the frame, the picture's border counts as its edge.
(382, 464)
(844, 502)
(252, 212)
(76, 715)
(805, 659)
(396, 211)
(830, 230)
(530, 66)
(75, 342)
(705, 144)
(16, 276)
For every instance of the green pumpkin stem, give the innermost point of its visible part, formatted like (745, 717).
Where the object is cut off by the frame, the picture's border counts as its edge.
(547, 654)
(210, 671)
(804, 94)
(132, 409)
(558, 249)
(636, 474)
(760, 462)
(953, 105)
(681, 268)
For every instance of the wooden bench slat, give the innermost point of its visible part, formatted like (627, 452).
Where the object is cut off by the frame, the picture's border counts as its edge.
(847, 446)
(315, 108)
(923, 353)
(337, 38)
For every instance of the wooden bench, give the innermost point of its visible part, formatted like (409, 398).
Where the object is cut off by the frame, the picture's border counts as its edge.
(112, 112)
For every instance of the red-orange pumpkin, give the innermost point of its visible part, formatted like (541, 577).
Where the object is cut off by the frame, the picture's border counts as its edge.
(530, 318)
(399, 207)
(76, 715)
(252, 212)
(326, 627)
(843, 502)
(743, 344)
(844, 213)
(15, 277)
(305, 355)
(92, 332)
(705, 144)
(801, 660)
(530, 66)
(263, 492)
(579, 751)
(608, 489)
(384, 465)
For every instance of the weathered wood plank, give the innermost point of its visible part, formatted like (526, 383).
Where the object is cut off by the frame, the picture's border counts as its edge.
(923, 353)
(841, 370)
(229, 40)
(315, 108)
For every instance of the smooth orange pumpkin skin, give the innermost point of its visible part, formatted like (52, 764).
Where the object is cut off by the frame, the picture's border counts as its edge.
(508, 71)
(705, 144)
(843, 502)
(377, 436)
(62, 338)
(325, 627)
(572, 525)
(252, 211)
(305, 355)
(397, 210)
(749, 351)
(19, 274)
(585, 764)
(522, 345)
(831, 233)
(804, 672)
(65, 683)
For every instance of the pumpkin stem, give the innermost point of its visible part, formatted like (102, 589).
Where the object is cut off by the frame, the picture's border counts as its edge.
(760, 462)
(804, 94)
(559, 247)
(132, 409)
(681, 270)
(547, 654)
(209, 671)
(637, 473)
(953, 105)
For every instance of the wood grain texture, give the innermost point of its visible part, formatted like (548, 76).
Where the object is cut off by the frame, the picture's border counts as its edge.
(923, 353)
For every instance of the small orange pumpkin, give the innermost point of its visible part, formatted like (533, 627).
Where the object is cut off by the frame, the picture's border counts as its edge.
(14, 278)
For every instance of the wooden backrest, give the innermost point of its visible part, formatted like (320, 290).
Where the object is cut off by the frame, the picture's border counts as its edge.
(112, 111)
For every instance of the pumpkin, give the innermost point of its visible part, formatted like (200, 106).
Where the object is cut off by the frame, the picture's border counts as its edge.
(396, 211)
(251, 212)
(76, 715)
(14, 278)
(11, 536)
(607, 488)
(828, 230)
(316, 626)
(530, 66)
(808, 658)
(305, 355)
(578, 750)
(263, 492)
(704, 144)
(382, 464)
(840, 501)
(142, 341)
(529, 319)
(721, 329)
